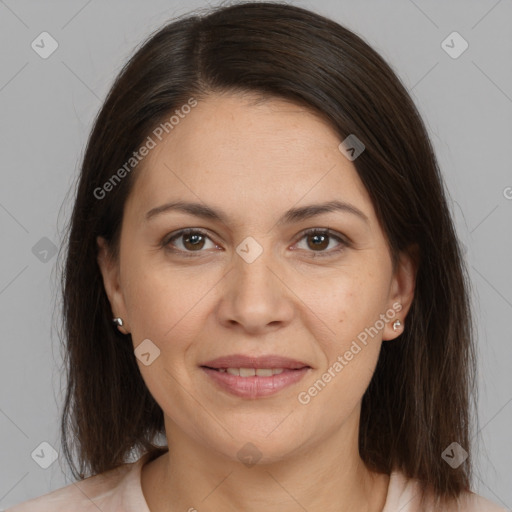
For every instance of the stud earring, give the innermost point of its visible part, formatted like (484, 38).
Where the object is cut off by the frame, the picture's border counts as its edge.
(118, 321)
(396, 325)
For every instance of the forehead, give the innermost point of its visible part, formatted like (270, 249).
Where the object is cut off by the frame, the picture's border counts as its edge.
(234, 150)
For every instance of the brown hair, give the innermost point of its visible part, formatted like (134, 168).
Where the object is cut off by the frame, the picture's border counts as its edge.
(418, 401)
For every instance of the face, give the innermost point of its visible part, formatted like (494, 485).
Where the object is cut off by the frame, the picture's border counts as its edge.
(306, 297)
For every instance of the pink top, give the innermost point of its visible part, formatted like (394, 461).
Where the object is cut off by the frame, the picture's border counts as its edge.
(119, 490)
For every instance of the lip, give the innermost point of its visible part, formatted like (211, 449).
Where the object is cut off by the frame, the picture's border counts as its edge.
(255, 387)
(243, 361)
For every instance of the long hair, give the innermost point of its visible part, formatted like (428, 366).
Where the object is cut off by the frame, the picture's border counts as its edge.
(418, 401)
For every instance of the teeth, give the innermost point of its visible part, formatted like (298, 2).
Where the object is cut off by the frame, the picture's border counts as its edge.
(251, 372)
(264, 372)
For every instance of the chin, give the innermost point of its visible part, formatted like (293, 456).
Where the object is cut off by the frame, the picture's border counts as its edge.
(259, 449)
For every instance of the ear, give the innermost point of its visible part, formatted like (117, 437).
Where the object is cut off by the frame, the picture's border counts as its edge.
(110, 272)
(402, 291)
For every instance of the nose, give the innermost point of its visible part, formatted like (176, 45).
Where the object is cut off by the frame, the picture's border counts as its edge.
(254, 295)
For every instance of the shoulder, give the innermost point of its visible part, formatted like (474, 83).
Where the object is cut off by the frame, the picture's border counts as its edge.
(117, 489)
(404, 496)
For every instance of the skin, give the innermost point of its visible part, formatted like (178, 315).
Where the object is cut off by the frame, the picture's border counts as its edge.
(254, 161)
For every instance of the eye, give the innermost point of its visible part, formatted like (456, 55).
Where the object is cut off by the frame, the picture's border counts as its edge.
(317, 240)
(192, 240)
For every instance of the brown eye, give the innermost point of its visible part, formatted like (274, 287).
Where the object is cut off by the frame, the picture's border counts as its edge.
(193, 241)
(318, 240)
(188, 241)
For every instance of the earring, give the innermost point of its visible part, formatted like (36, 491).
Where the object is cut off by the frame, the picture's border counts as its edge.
(396, 325)
(118, 321)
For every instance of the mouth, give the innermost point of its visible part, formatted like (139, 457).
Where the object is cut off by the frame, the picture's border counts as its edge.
(254, 377)
(271, 361)
(251, 372)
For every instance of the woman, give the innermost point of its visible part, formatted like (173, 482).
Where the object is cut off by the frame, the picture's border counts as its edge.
(262, 267)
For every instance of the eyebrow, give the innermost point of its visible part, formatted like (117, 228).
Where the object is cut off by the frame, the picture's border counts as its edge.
(290, 216)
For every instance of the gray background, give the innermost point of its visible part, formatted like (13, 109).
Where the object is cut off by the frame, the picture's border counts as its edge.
(47, 107)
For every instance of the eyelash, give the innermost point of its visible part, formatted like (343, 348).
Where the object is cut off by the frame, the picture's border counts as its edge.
(166, 242)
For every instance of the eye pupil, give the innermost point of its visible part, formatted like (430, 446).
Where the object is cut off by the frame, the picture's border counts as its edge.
(322, 239)
(317, 242)
(195, 240)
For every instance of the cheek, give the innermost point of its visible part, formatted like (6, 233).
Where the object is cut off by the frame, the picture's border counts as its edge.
(350, 303)
(164, 305)
(166, 308)
(351, 309)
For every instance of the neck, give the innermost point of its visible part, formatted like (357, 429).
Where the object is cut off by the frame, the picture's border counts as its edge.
(327, 477)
